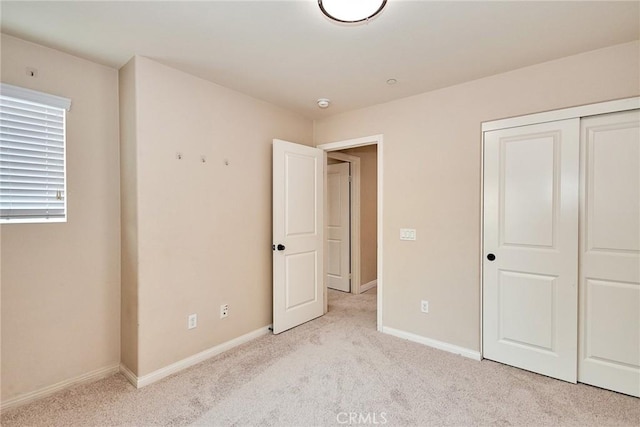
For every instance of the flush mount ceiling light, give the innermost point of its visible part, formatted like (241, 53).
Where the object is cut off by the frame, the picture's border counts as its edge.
(351, 11)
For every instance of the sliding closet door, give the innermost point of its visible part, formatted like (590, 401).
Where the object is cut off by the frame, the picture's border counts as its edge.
(530, 269)
(609, 353)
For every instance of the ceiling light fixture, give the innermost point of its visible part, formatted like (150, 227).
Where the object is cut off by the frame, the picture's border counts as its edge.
(351, 11)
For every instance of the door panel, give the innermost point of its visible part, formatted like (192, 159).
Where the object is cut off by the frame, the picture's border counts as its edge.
(338, 227)
(530, 225)
(527, 217)
(300, 195)
(300, 268)
(526, 310)
(609, 354)
(298, 208)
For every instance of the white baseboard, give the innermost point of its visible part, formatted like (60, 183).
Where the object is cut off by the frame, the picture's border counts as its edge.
(161, 373)
(128, 374)
(54, 388)
(462, 351)
(367, 286)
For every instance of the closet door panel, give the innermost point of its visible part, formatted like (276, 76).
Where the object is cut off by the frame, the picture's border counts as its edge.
(609, 351)
(531, 227)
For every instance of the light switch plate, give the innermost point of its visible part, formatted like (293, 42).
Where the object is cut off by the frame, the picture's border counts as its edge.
(407, 234)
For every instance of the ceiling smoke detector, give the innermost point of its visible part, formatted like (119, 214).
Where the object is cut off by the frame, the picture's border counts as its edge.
(323, 102)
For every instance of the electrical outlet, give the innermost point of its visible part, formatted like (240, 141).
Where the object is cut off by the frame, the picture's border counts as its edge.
(192, 321)
(224, 310)
(424, 306)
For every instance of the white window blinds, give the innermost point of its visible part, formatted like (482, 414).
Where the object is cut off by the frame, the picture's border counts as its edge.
(32, 156)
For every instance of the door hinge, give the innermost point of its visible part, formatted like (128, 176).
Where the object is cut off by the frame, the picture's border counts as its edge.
(349, 276)
(350, 178)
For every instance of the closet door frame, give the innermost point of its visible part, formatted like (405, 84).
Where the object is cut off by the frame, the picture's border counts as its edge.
(615, 106)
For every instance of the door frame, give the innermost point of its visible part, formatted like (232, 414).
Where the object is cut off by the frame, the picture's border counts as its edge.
(354, 216)
(360, 142)
(606, 107)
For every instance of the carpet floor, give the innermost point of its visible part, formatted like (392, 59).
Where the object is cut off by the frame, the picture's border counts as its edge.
(335, 370)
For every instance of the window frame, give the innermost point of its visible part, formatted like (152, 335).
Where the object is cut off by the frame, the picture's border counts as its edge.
(25, 95)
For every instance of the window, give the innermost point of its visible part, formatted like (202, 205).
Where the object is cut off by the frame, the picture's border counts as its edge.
(32, 156)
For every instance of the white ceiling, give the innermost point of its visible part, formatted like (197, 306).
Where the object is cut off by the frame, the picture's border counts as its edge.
(289, 54)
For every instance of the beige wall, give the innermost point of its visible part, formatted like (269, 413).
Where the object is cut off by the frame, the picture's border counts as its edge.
(203, 230)
(61, 282)
(432, 178)
(368, 210)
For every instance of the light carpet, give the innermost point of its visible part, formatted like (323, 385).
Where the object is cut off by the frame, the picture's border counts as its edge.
(335, 370)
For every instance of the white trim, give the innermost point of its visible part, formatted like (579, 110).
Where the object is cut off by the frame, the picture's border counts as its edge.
(462, 351)
(18, 220)
(351, 143)
(372, 284)
(359, 142)
(354, 217)
(325, 242)
(481, 260)
(161, 373)
(25, 398)
(129, 375)
(34, 96)
(565, 113)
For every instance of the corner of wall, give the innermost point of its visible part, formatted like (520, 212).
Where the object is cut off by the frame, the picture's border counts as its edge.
(128, 218)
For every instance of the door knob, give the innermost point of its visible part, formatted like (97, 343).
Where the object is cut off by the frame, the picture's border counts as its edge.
(491, 257)
(280, 247)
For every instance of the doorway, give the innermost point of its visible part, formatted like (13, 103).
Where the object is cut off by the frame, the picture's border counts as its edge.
(340, 223)
(366, 242)
(354, 172)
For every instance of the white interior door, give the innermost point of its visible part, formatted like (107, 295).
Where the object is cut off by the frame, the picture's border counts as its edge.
(338, 227)
(530, 264)
(609, 354)
(298, 237)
